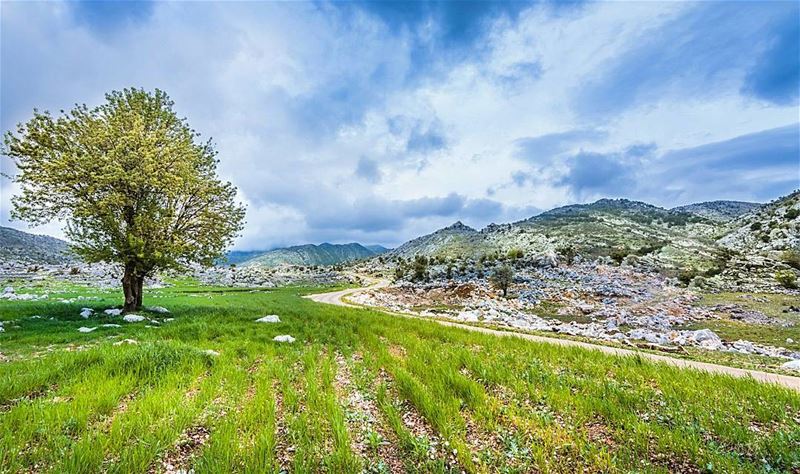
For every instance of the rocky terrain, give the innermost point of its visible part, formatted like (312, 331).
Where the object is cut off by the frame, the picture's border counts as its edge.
(720, 211)
(772, 228)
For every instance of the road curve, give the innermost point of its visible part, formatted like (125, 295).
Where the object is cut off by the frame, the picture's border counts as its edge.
(335, 298)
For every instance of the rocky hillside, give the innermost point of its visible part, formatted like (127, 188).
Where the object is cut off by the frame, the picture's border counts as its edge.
(606, 227)
(31, 248)
(771, 228)
(310, 254)
(719, 211)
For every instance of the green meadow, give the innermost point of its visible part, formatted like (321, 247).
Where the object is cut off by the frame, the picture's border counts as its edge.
(358, 391)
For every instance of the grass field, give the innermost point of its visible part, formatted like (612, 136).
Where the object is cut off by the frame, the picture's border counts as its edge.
(358, 391)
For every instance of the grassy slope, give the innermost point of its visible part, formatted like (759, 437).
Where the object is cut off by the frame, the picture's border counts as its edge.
(499, 404)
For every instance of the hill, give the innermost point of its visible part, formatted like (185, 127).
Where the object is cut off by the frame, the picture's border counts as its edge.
(719, 211)
(310, 254)
(597, 229)
(18, 245)
(772, 227)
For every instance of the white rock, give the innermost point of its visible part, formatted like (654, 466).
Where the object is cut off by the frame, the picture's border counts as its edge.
(157, 309)
(133, 318)
(85, 329)
(8, 290)
(271, 318)
(126, 341)
(111, 325)
(789, 340)
(792, 365)
(113, 312)
(283, 338)
(86, 312)
(211, 352)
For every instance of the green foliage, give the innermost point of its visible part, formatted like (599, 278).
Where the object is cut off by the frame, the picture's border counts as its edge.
(786, 278)
(132, 181)
(618, 254)
(502, 277)
(686, 275)
(755, 226)
(791, 258)
(568, 252)
(792, 214)
(515, 254)
(419, 268)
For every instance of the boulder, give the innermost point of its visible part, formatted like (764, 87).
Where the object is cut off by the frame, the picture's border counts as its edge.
(791, 365)
(157, 309)
(283, 338)
(133, 318)
(8, 290)
(85, 329)
(86, 312)
(113, 312)
(270, 318)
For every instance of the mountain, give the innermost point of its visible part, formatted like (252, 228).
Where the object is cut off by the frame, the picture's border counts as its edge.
(310, 254)
(42, 249)
(455, 240)
(775, 226)
(235, 257)
(604, 227)
(377, 249)
(719, 211)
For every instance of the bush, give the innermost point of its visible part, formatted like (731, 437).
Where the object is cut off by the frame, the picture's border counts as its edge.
(420, 269)
(786, 278)
(791, 258)
(502, 278)
(686, 275)
(755, 226)
(568, 252)
(618, 254)
(792, 214)
(515, 254)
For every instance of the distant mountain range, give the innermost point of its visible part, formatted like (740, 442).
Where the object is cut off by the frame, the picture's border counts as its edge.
(686, 235)
(22, 246)
(310, 254)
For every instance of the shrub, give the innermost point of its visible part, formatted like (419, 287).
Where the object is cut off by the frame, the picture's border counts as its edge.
(516, 254)
(791, 258)
(619, 253)
(568, 252)
(786, 278)
(502, 278)
(686, 275)
(755, 226)
(74, 271)
(792, 214)
(420, 268)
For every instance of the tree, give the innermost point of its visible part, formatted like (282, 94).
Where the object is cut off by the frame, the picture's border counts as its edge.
(502, 278)
(420, 268)
(133, 183)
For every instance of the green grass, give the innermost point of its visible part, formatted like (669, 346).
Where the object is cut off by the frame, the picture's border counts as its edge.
(446, 399)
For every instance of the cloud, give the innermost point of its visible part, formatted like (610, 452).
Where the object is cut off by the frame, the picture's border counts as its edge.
(552, 144)
(368, 170)
(707, 49)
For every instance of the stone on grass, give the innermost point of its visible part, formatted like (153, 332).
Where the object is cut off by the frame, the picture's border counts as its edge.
(132, 342)
(8, 290)
(133, 318)
(271, 318)
(283, 338)
(792, 365)
(85, 329)
(157, 309)
(86, 312)
(211, 352)
(111, 325)
(113, 312)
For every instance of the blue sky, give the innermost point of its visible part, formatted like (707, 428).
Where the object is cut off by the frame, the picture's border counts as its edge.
(380, 121)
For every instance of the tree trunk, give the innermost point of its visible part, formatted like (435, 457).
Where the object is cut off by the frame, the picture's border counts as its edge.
(132, 288)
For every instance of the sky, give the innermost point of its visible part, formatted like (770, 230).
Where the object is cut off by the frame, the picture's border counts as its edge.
(377, 122)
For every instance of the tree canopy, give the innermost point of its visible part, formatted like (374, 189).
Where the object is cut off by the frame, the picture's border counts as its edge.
(133, 182)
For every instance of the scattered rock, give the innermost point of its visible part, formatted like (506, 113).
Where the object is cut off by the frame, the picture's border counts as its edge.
(133, 318)
(792, 365)
(132, 342)
(157, 309)
(211, 352)
(111, 325)
(113, 312)
(85, 329)
(86, 312)
(283, 338)
(271, 318)
(8, 290)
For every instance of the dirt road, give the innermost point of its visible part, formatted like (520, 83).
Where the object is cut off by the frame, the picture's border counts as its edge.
(335, 298)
